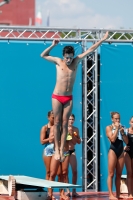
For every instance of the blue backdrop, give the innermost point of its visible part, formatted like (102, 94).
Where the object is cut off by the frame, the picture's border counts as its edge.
(26, 85)
(116, 72)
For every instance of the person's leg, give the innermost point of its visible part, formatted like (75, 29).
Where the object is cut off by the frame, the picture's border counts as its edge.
(60, 179)
(128, 164)
(73, 163)
(67, 181)
(47, 160)
(67, 189)
(54, 165)
(112, 160)
(62, 195)
(57, 110)
(59, 173)
(119, 167)
(67, 109)
(64, 172)
(65, 165)
(132, 176)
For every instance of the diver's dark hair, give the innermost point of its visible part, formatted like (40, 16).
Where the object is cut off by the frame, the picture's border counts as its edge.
(68, 49)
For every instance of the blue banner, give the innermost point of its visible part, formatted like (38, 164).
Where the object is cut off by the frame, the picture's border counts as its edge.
(116, 70)
(26, 84)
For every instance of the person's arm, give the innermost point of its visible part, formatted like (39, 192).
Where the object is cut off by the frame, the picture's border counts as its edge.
(126, 148)
(124, 136)
(71, 131)
(51, 135)
(112, 136)
(76, 135)
(92, 48)
(45, 53)
(43, 135)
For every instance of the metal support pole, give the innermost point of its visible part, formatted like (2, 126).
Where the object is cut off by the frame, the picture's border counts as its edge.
(96, 117)
(84, 120)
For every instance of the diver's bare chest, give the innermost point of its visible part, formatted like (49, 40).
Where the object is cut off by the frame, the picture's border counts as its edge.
(69, 70)
(67, 73)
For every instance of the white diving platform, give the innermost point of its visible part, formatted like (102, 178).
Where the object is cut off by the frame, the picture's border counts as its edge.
(26, 188)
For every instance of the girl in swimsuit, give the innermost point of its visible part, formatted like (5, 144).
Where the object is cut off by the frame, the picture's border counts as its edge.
(128, 155)
(48, 147)
(116, 136)
(73, 140)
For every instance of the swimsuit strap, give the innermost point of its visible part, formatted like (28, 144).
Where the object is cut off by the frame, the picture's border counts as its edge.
(46, 127)
(112, 127)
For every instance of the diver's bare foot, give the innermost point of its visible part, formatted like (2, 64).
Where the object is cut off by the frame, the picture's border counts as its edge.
(62, 157)
(113, 197)
(57, 155)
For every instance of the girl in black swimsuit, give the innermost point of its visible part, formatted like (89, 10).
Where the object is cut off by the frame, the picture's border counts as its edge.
(116, 136)
(128, 155)
(44, 139)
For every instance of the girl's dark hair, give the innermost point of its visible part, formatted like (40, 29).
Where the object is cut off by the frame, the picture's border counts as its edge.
(113, 113)
(72, 115)
(68, 49)
(50, 113)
